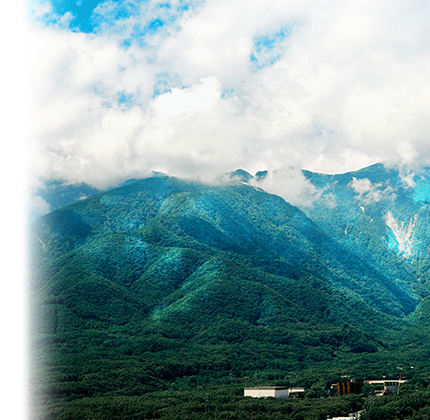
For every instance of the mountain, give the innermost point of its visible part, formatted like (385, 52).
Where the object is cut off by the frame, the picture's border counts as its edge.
(383, 216)
(165, 284)
(51, 194)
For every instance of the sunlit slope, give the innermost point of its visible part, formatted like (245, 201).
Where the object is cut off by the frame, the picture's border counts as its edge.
(154, 235)
(381, 215)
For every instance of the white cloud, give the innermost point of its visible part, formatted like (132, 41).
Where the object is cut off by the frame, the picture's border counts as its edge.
(345, 86)
(40, 9)
(80, 129)
(407, 178)
(39, 206)
(290, 184)
(368, 193)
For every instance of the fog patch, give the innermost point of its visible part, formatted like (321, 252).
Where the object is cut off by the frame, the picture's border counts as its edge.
(368, 193)
(291, 185)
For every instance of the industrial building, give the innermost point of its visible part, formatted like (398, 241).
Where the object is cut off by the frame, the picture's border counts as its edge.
(389, 385)
(274, 391)
(344, 388)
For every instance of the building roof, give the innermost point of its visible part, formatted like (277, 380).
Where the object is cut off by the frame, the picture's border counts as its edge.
(383, 381)
(297, 389)
(268, 387)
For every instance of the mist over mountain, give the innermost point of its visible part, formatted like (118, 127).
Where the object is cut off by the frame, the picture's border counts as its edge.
(162, 283)
(170, 284)
(53, 194)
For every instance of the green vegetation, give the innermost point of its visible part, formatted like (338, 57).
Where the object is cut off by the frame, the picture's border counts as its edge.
(165, 298)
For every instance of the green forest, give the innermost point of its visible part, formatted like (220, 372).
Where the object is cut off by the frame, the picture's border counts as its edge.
(165, 298)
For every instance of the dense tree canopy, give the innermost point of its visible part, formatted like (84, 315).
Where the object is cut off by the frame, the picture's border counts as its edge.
(165, 298)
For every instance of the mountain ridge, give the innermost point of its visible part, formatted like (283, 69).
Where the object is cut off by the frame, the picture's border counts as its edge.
(203, 215)
(165, 283)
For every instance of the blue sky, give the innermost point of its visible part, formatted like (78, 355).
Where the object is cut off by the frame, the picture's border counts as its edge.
(197, 88)
(86, 19)
(81, 10)
(268, 48)
(92, 16)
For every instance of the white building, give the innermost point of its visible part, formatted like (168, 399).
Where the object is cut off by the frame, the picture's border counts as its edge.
(390, 386)
(273, 391)
(351, 416)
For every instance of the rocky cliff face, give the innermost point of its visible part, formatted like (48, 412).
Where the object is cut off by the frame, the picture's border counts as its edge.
(401, 234)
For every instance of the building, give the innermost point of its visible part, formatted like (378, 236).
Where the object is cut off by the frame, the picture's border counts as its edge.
(390, 385)
(344, 388)
(273, 391)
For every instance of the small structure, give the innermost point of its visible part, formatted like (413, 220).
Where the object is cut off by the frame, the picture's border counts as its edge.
(390, 386)
(273, 391)
(344, 388)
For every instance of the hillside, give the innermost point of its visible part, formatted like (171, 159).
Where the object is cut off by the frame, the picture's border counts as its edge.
(379, 212)
(165, 285)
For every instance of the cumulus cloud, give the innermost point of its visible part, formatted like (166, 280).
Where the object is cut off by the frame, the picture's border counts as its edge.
(33, 205)
(290, 184)
(199, 90)
(368, 193)
(39, 207)
(408, 178)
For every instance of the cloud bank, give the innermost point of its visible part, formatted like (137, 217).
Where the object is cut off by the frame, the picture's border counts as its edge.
(201, 88)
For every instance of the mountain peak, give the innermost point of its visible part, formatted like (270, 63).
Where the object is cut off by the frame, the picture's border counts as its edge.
(239, 175)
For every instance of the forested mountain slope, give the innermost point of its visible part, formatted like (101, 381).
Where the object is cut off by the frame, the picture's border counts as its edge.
(167, 283)
(383, 216)
(117, 233)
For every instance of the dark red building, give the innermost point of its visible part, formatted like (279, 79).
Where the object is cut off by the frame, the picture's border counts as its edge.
(349, 388)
